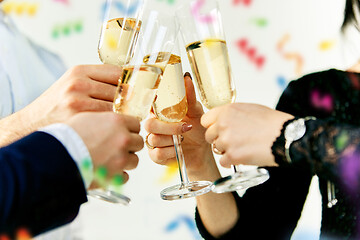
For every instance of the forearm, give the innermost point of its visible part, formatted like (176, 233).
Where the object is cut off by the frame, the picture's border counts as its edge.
(329, 149)
(13, 128)
(218, 212)
(24, 122)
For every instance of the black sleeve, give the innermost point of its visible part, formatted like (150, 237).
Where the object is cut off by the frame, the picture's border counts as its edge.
(40, 185)
(275, 205)
(329, 149)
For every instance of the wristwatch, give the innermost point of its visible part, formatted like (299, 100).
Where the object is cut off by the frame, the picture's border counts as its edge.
(293, 132)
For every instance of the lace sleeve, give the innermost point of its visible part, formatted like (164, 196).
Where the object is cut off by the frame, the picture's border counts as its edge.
(329, 149)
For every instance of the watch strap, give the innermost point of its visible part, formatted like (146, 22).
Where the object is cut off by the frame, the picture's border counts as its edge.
(281, 147)
(298, 132)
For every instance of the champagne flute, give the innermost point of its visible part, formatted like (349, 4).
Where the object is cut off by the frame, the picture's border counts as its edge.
(118, 37)
(171, 106)
(141, 77)
(119, 32)
(202, 31)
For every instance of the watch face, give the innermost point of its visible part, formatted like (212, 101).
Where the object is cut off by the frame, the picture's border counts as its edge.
(295, 130)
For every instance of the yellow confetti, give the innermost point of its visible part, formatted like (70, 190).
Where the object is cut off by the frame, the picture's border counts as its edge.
(32, 9)
(111, 41)
(171, 171)
(7, 7)
(20, 8)
(326, 45)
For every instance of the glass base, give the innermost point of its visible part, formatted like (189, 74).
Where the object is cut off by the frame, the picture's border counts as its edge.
(181, 191)
(109, 196)
(241, 180)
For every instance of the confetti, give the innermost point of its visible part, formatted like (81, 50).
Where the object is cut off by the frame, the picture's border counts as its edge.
(23, 234)
(355, 80)
(281, 82)
(67, 29)
(4, 237)
(170, 2)
(245, 2)
(260, 22)
(100, 176)
(66, 2)
(291, 56)
(341, 141)
(117, 180)
(350, 171)
(251, 52)
(171, 170)
(326, 45)
(322, 100)
(188, 221)
(195, 10)
(20, 8)
(122, 8)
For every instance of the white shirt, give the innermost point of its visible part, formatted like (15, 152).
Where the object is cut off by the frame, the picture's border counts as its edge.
(26, 69)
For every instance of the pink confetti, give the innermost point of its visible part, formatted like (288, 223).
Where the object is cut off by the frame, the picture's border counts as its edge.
(66, 2)
(195, 10)
(251, 52)
(322, 101)
(245, 2)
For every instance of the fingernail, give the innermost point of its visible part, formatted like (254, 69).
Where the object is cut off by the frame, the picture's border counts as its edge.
(186, 127)
(187, 74)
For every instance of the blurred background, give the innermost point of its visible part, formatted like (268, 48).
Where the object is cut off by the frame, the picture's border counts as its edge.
(270, 43)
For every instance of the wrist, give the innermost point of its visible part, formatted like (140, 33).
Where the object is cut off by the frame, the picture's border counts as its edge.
(293, 132)
(207, 170)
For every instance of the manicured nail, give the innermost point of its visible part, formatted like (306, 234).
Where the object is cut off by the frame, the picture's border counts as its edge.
(186, 127)
(187, 74)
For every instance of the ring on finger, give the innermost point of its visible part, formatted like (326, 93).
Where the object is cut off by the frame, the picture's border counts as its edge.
(215, 150)
(147, 142)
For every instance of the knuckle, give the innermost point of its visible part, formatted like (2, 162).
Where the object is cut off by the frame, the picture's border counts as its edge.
(77, 70)
(154, 140)
(233, 155)
(124, 141)
(149, 125)
(158, 156)
(74, 104)
(118, 120)
(77, 85)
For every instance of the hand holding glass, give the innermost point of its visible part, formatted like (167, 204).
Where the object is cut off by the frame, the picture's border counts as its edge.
(171, 106)
(202, 30)
(118, 37)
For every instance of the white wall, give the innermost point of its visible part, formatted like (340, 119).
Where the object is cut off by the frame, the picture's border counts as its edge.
(307, 23)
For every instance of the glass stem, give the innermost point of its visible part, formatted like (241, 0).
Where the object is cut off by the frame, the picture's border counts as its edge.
(181, 160)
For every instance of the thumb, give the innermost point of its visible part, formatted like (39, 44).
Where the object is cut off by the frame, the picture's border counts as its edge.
(194, 107)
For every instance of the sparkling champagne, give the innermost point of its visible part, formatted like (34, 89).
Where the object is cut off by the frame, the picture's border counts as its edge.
(210, 63)
(136, 90)
(118, 41)
(171, 104)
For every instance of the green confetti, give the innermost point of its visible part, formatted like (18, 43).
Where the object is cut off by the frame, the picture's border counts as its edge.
(118, 180)
(66, 30)
(342, 141)
(86, 164)
(170, 2)
(78, 26)
(101, 173)
(261, 22)
(56, 32)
